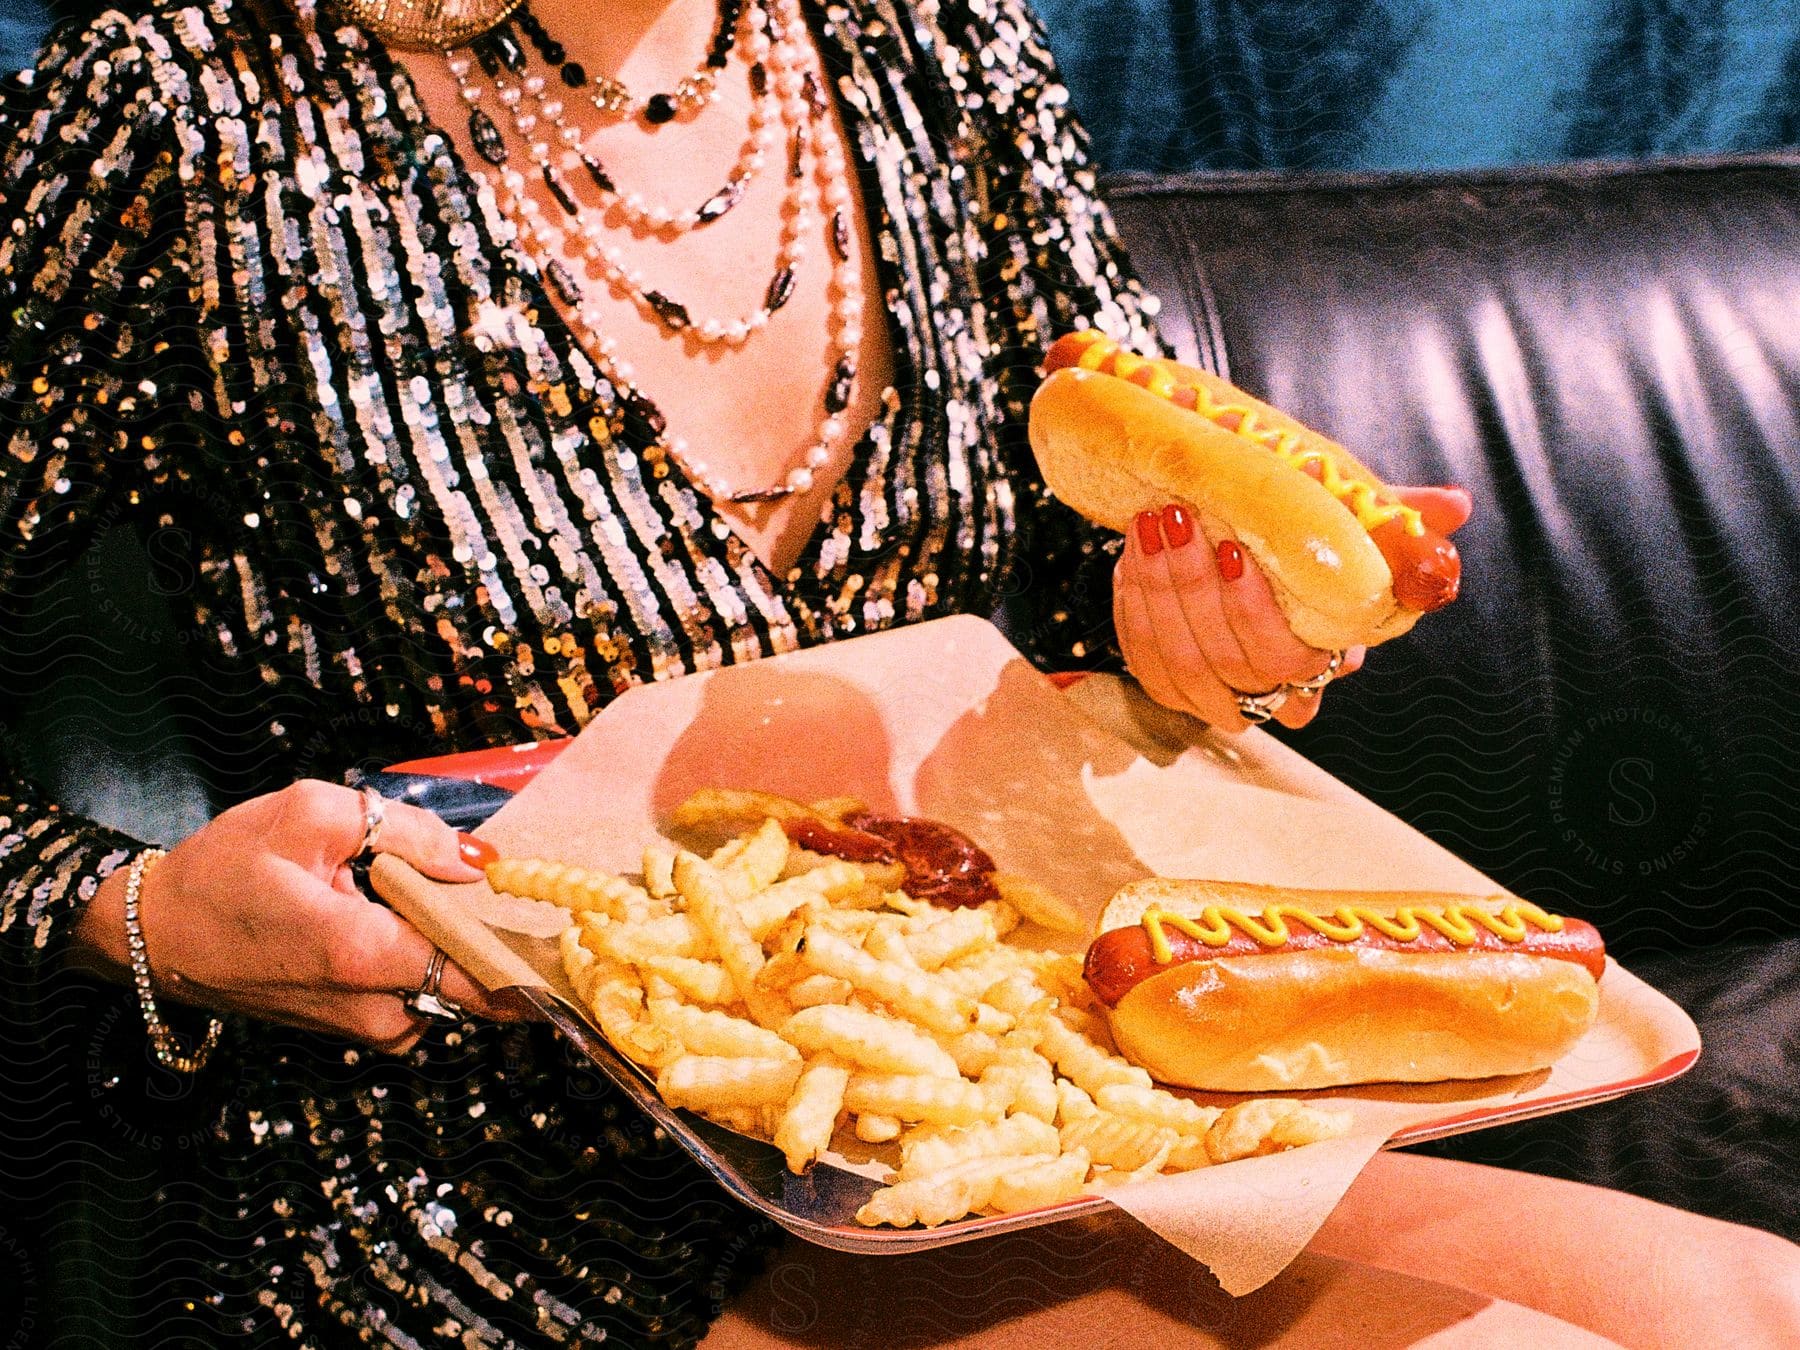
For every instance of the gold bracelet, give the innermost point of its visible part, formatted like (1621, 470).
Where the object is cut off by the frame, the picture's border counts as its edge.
(162, 1040)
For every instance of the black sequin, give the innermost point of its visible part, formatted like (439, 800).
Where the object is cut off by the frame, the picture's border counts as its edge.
(258, 304)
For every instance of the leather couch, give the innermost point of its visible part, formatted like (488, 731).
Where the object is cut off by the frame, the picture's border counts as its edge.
(1609, 359)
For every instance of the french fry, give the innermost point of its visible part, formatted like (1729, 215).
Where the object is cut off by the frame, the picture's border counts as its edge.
(758, 862)
(577, 961)
(1187, 1154)
(875, 1129)
(764, 911)
(1037, 905)
(909, 991)
(1072, 1103)
(1039, 1185)
(757, 1121)
(812, 1112)
(1085, 1064)
(707, 1082)
(813, 990)
(973, 1051)
(617, 1001)
(836, 808)
(719, 812)
(867, 1039)
(951, 938)
(1086, 1024)
(712, 908)
(943, 1101)
(637, 942)
(885, 942)
(574, 888)
(781, 971)
(871, 876)
(931, 1149)
(701, 981)
(1113, 1141)
(1060, 976)
(1156, 1107)
(1270, 1125)
(705, 1031)
(659, 871)
(1019, 995)
(943, 1197)
(1027, 1084)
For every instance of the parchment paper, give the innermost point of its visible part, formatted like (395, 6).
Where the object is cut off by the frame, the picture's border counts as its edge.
(1081, 791)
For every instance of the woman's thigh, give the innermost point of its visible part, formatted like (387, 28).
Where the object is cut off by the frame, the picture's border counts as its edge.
(1102, 1282)
(1644, 1274)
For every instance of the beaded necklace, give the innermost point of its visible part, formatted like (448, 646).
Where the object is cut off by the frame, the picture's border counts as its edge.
(814, 187)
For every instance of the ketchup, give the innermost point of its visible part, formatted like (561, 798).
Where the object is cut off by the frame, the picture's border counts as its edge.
(943, 865)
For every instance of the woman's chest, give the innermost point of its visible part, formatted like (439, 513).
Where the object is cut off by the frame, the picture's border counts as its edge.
(447, 488)
(724, 263)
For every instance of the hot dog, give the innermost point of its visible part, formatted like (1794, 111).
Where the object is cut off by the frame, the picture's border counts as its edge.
(1116, 433)
(1243, 988)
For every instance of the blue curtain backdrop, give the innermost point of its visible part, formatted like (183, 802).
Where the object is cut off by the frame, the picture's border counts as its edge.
(1387, 84)
(1403, 84)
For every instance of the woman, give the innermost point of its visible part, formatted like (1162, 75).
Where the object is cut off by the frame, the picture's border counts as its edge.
(487, 384)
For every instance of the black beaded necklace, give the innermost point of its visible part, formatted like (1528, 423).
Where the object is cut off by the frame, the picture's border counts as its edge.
(500, 48)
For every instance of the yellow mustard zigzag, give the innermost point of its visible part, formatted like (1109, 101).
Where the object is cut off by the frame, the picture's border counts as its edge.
(1460, 923)
(1362, 497)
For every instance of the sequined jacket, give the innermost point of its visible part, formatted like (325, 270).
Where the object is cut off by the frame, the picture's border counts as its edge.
(251, 292)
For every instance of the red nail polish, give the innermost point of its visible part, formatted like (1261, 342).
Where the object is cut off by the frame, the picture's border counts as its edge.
(1177, 525)
(476, 852)
(1149, 534)
(1231, 559)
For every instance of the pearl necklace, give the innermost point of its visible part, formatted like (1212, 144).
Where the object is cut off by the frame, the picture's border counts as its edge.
(625, 280)
(802, 106)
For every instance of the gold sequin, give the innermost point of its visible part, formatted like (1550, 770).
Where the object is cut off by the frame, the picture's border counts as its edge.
(256, 305)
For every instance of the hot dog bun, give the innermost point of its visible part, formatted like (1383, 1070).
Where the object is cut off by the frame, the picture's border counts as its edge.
(1343, 1012)
(1111, 449)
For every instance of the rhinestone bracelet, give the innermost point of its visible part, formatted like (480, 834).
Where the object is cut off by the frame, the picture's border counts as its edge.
(162, 1040)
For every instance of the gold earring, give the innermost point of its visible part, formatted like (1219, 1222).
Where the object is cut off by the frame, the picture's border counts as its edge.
(427, 25)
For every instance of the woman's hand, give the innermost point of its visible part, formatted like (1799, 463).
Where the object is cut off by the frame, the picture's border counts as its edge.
(256, 912)
(1198, 625)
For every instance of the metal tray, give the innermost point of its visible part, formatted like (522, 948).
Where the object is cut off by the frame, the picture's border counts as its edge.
(821, 1205)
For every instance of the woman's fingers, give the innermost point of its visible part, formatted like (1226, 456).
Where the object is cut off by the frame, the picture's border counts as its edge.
(416, 836)
(1200, 624)
(332, 820)
(376, 950)
(1445, 509)
(1184, 592)
(1274, 654)
(1298, 710)
(1156, 637)
(1137, 638)
(1139, 646)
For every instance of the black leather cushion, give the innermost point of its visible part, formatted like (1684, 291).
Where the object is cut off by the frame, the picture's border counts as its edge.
(1610, 361)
